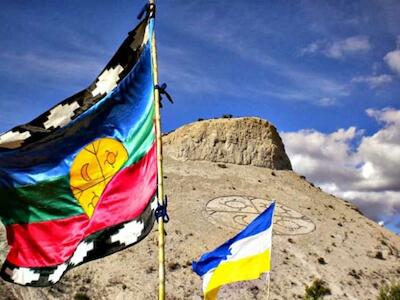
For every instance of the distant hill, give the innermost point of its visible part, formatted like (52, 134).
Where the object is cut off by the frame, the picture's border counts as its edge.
(219, 174)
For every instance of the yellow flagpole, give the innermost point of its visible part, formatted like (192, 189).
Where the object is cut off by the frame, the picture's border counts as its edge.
(160, 193)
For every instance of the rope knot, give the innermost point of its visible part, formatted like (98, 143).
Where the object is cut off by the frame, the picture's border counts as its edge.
(161, 210)
(162, 89)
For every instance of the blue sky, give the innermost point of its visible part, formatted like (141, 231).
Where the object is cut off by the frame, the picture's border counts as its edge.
(326, 73)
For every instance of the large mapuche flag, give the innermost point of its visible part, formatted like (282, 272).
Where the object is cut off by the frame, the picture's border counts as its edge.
(79, 182)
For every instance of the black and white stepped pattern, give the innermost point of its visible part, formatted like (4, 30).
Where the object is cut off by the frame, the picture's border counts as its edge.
(95, 246)
(69, 109)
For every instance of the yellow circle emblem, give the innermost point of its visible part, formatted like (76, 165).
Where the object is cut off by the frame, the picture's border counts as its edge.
(92, 170)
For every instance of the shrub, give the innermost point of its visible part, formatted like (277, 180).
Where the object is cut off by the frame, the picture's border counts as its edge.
(321, 261)
(81, 296)
(390, 292)
(318, 290)
(379, 255)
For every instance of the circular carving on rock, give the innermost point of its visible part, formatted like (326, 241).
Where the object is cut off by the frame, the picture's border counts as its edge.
(236, 212)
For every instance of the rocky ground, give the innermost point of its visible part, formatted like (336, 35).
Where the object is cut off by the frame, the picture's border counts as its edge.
(317, 236)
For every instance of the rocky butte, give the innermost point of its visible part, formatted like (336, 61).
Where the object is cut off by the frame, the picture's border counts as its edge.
(219, 174)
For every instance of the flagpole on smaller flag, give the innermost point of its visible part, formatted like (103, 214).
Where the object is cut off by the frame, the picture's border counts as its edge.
(268, 285)
(160, 190)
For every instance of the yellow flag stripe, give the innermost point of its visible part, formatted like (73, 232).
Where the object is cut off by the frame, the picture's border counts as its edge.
(248, 268)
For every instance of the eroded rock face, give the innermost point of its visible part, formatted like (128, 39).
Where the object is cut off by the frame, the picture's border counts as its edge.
(241, 141)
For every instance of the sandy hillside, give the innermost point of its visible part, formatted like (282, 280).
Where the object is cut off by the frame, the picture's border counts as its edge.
(214, 191)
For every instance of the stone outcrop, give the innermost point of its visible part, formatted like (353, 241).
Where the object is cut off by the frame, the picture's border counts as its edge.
(241, 141)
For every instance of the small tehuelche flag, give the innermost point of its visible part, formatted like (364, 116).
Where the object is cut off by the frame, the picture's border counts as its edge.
(244, 257)
(79, 182)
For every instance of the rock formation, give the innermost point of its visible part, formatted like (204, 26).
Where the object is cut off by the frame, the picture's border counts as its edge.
(241, 141)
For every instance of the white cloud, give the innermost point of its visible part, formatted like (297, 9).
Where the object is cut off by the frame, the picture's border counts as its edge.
(51, 66)
(312, 152)
(393, 60)
(350, 45)
(326, 101)
(375, 204)
(374, 81)
(381, 153)
(362, 168)
(312, 48)
(338, 48)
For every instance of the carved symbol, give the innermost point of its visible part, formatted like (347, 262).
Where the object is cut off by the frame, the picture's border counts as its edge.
(93, 168)
(238, 211)
(85, 173)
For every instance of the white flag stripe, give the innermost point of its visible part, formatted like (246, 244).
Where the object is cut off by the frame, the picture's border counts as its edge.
(251, 245)
(206, 279)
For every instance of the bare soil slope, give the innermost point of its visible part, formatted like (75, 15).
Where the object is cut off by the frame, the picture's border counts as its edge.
(316, 236)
